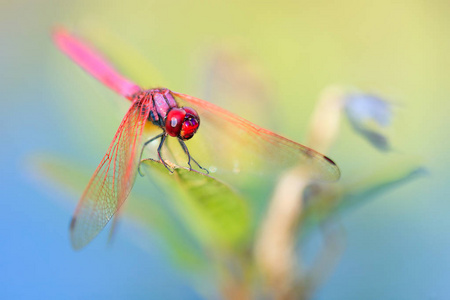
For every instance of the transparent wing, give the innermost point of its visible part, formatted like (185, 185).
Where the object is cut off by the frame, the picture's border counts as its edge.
(113, 179)
(227, 144)
(92, 62)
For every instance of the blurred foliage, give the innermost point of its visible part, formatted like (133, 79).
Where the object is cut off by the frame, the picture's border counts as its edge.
(290, 49)
(323, 204)
(214, 212)
(205, 222)
(146, 211)
(208, 226)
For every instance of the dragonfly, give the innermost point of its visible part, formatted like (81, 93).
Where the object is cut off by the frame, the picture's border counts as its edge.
(225, 145)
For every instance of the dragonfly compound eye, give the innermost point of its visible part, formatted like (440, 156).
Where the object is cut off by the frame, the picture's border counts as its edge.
(174, 121)
(190, 124)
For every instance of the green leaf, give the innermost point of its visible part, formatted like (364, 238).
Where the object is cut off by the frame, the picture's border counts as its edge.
(336, 198)
(217, 215)
(376, 185)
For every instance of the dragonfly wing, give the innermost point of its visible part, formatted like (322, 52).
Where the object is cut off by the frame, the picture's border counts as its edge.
(92, 62)
(229, 144)
(113, 179)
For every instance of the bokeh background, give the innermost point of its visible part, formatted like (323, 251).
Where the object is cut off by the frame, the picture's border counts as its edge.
(397, 245)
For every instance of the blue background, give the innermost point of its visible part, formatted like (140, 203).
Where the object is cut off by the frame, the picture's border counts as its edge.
(396, 246)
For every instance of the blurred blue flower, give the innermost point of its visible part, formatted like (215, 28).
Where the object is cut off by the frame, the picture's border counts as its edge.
(368, 115)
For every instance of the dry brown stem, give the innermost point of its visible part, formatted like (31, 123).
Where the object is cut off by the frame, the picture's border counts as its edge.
(274, 250)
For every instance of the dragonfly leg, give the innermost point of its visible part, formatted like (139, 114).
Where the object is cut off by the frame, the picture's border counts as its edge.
(186, 150)
(163, 139)
(162, 135)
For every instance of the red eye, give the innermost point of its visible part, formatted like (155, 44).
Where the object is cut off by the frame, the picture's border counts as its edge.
(191, 112)
(174, 121)
(190, 124)
(189, 128)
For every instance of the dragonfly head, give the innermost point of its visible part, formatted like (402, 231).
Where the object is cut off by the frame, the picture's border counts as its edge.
(182, 122)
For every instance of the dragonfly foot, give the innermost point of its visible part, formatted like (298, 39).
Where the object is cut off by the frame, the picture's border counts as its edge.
(166, 165)
(143, 147)
(206, 170)
(139, 170)
(189, 163)
(185, 149)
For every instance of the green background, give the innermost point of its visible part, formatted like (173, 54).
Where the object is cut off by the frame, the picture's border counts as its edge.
(396, 246)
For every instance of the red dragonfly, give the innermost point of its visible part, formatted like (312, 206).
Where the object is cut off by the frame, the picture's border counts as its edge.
(226, 145)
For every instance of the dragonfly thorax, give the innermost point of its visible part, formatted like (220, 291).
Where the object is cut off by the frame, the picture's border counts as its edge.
(181, 122)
